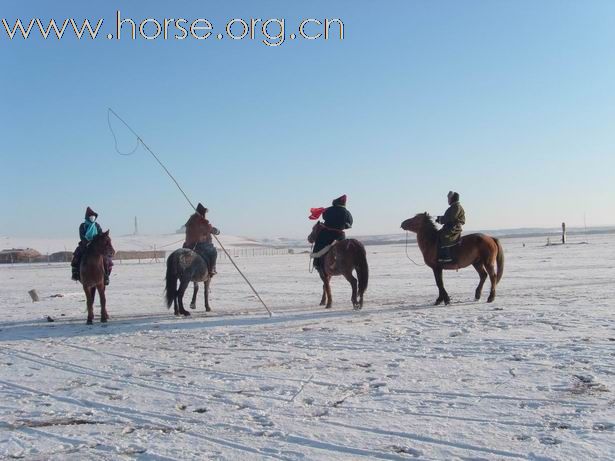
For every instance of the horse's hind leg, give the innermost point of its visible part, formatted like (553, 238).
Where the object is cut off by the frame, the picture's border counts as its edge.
(353, 284)
(207, 307)
(180, 297)
(442, 294)
(196, 290)
(482, 273)
(492, 278)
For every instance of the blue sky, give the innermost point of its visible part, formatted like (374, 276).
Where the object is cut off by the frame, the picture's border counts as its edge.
(510, 103)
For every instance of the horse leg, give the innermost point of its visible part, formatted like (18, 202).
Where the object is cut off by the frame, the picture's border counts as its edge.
(442, 294)
(89, 301)
(323, 300)
(353, 284)
(327, 282)
(180, 297)
(104, 316)
(196, 290)
(482, 273)
(492, 278)
(207, 307)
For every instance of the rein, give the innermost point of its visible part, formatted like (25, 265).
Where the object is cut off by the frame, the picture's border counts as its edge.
(408, 256)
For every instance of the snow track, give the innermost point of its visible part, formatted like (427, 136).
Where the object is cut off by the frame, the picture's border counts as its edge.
(530, 376)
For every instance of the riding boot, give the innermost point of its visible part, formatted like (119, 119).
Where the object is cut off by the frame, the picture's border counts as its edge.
(444, 255)
(106, 279)
(75, 271)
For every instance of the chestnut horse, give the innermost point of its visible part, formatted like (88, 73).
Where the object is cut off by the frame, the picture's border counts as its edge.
(92, 274)
(343, 257)
(480, 250)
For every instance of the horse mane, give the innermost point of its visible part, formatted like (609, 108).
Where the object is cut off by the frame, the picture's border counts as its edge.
(428, 226)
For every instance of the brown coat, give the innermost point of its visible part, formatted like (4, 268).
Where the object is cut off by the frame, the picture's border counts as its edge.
(198, 229)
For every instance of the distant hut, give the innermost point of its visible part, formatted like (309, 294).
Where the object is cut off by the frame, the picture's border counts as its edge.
(19, 255)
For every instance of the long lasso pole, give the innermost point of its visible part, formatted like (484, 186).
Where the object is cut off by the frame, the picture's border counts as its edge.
(140, 141)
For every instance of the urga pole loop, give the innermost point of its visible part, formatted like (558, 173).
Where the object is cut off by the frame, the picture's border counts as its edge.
(140, 140)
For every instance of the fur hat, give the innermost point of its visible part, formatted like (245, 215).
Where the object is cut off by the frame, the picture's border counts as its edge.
(452, 196)
(200, 209)
(340, 201)
(89, 212)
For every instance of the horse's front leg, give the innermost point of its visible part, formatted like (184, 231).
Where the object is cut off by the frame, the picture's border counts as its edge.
(194, 293)
(104, 316)
(327, 283)
(323, 299)
(442, 294)
(89, 301)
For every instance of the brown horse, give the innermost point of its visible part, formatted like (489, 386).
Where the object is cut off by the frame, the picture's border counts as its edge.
(343, 257)
(480, 250)
(92, 274)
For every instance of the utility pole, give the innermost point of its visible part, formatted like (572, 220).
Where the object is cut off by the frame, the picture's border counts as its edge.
(136, 227)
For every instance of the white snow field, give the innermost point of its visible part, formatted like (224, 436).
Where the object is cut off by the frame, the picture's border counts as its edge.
(531, 376)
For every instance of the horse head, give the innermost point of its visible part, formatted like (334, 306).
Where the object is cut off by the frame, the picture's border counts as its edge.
(102, 244)
(416, 223)
(315, 231)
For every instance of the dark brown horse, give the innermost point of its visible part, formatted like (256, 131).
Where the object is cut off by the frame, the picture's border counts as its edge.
(185, 266)
(479, 250)
(92, 274)
(343, 257)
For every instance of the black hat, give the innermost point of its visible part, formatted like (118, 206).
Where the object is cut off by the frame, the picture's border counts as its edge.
(89, 212)
(200, 209)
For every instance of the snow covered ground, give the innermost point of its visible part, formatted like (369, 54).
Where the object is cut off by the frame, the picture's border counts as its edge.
(531, 376)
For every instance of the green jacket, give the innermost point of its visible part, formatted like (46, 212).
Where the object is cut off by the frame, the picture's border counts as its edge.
(452, 221)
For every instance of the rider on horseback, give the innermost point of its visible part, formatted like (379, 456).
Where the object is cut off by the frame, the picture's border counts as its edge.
(87, 231)
(199, 237)
(336, 220)
(451, 221)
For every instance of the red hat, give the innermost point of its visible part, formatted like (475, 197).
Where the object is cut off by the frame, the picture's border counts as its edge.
(340, 200)
(89, 212)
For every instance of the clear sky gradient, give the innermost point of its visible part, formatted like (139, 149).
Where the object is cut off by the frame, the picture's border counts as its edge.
(510, 103)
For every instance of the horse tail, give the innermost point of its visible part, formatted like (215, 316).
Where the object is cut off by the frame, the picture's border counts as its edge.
(500, 261)
(362, 270)
(170, 291)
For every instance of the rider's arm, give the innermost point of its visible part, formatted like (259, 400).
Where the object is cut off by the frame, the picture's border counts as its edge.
(348, 224)
(82, 232)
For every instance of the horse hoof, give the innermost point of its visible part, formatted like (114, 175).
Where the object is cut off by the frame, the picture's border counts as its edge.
(490, 299)
(438, 302)
(447, 302)
(192, 306)
(103, 320)
(328, 306)
(186, 314)
(207, 309)
(89, 322)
